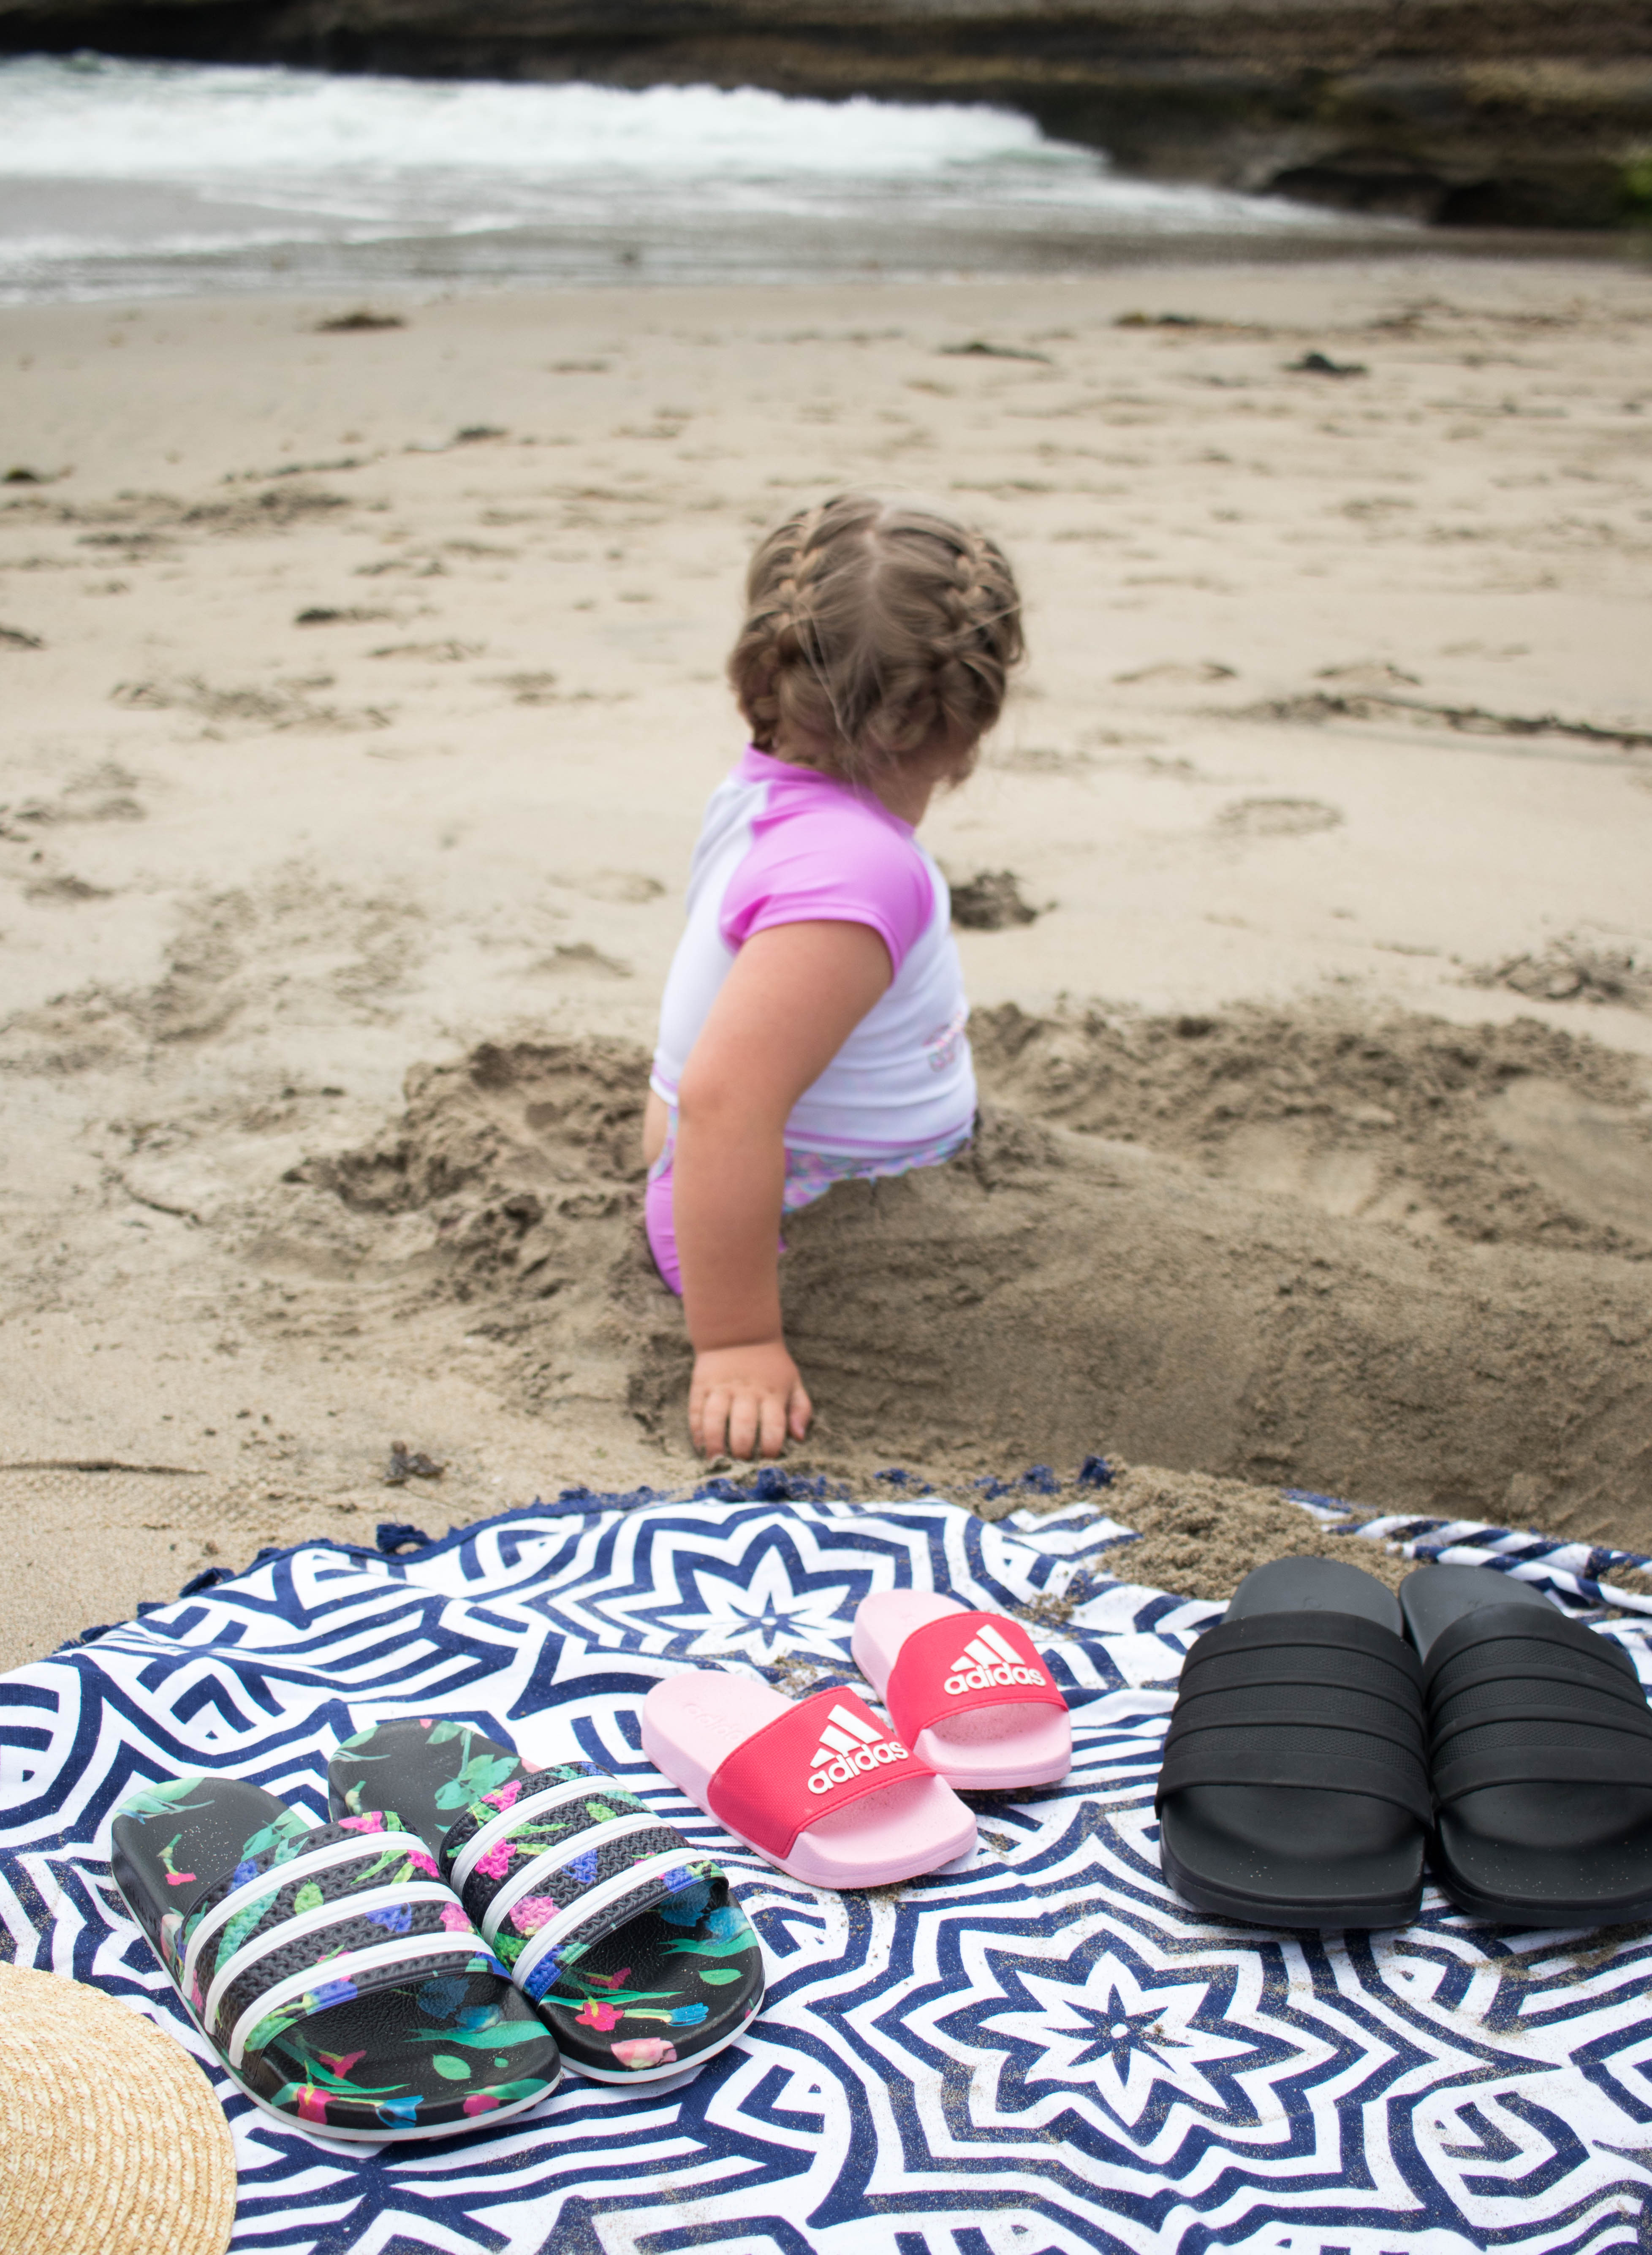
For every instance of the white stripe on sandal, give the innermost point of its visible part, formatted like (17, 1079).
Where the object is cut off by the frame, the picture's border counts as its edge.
(347, 1968)
(499, 1827)
(391, 1896)
(566, 1924)
(301, 1866)
(536, 1872)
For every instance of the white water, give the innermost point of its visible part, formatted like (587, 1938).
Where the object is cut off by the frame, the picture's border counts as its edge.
(146, 177)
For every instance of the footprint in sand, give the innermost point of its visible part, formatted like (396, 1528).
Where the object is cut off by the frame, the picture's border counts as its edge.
(991, 901)
(1277, 817)
(1043, 760)
(1596, 1160)
(437, 653)
(1372, 673)
(531, 688)
(1175, 674)
(353, 614)
(626, 888)
(64, 891)
(99, 794)
(578, 957)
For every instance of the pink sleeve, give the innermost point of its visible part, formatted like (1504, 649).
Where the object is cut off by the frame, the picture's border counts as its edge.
(840, 865)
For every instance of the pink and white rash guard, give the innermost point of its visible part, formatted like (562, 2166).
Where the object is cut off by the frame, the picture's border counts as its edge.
(785, 845)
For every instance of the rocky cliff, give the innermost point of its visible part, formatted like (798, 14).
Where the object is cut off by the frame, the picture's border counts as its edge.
(1478, 112)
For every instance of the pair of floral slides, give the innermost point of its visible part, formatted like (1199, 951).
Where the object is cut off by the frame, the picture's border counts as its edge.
(464, 1928)
(466, 1925)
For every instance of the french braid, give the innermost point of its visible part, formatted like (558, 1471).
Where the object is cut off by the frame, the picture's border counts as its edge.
(876, 632)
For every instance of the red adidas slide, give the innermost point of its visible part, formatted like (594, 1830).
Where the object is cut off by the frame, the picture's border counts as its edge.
(821, 1788)
(966, 1690)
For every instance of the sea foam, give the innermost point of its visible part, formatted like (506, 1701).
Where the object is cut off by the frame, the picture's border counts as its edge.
(144, 177)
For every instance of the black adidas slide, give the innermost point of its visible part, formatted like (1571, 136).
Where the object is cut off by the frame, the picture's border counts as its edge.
(1541, 1752)
(331, 1971)
(1294, 1791)
(625, 1937)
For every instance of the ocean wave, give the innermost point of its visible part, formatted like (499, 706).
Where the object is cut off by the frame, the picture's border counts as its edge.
(92, 117)
(134, 170)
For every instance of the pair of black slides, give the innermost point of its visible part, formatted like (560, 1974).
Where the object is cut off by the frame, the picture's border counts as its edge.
(1327, 1733)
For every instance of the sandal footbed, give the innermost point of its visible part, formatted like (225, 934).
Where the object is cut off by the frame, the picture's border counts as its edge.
(1289, 1855)
(1564, 1854)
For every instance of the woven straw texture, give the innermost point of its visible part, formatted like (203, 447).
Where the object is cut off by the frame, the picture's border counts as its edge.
(111, 2142)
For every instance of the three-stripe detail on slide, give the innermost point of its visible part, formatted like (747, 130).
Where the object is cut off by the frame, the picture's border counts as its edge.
(258, 1979)
(528, 1808)
(541, 1870)
(588, 1909)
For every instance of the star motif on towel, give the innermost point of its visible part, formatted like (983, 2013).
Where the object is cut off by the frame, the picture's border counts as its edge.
(1141, 2049)
(763, 1613)
(1114, 2033)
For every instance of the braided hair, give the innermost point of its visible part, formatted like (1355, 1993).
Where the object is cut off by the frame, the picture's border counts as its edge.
(876, 632)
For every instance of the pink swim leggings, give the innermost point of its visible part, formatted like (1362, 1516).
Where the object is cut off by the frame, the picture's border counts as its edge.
(662, 1229)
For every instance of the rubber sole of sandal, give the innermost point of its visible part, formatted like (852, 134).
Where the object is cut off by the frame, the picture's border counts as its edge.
(1265, 1904)
(1528, 1914)
(1565, 1855)
(1289, 1855)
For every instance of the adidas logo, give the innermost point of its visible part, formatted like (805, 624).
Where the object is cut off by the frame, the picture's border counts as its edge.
(848, 1744)
(989, 1659)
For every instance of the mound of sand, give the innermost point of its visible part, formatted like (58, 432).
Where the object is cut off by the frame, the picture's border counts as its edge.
(1410, 1264)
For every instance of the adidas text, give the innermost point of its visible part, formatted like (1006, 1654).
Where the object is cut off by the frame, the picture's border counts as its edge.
(988, 1659)
(982, 1679)
(841, 1769)
(848, 1743)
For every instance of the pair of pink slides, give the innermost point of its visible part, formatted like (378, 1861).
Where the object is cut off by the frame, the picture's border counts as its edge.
(830, 1794)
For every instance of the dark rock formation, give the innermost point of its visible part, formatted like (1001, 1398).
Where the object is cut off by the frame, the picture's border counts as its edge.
(1477, 112)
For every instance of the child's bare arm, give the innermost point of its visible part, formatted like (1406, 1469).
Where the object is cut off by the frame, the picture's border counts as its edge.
(792, 1000)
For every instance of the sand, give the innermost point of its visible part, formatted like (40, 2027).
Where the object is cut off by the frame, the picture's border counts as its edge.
(362, 689)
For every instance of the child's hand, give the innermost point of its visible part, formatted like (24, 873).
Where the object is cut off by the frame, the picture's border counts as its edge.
(746, 1400)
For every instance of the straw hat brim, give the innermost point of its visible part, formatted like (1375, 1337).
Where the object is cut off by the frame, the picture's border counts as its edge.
(111, 2141)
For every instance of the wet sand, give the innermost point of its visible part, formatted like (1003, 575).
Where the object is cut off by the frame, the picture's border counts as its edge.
(364, 690)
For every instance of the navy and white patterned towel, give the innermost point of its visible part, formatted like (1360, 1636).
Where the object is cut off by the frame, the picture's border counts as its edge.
(1039, 2049)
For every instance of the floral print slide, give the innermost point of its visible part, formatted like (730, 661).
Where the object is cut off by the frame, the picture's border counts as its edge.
(628, 1940)
(329, 1966)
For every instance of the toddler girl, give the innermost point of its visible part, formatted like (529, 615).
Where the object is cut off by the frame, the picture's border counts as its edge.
(813, 1027)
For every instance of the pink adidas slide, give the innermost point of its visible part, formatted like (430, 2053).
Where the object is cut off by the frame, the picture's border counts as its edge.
(819, 1787)
(966, 1690)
